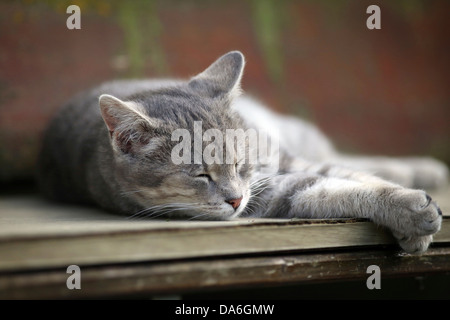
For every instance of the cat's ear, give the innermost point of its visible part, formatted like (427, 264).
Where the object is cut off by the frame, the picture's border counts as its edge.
(129, 127)
(222, 78)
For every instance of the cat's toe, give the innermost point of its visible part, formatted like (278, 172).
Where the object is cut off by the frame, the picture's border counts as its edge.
(429, 219)
(414, 245)
(417, 215)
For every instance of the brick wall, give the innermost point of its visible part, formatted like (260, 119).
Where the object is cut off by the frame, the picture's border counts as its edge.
(373, 91)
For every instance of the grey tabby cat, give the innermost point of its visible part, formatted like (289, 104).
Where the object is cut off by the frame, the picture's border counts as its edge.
(113, 146)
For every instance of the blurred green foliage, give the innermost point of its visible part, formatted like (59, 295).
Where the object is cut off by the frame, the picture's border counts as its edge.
(267, 18)
(138, 20)
(142, 28)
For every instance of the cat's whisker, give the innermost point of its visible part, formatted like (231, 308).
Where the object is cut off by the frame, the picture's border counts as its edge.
(261, 183)
(257, 191)
(256, 204)
(199, 215)
(162, 209)
(137, 214)
(143, 212)
(260, 191)
(250, 210)
(155, 216)
(159, 213)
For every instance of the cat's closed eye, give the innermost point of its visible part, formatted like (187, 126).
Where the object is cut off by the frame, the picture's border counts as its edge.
(204, 175)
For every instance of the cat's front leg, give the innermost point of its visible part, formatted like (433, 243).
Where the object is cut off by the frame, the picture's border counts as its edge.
(410, 214)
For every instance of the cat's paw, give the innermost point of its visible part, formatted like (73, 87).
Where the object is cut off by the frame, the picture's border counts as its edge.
(415, 213)
(414, 218)
(414, 244)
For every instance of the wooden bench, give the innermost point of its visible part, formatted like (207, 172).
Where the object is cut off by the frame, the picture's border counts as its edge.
(119, 257)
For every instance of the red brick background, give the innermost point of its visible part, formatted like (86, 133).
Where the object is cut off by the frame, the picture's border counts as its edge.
(373, 91)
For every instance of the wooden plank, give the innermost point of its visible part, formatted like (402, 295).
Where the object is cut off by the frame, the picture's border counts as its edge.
(118, 257)
(36, 235)
(192, 243)
(182, 243)
(177, 277)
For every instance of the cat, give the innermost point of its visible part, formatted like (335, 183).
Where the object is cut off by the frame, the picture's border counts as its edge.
(113, 146)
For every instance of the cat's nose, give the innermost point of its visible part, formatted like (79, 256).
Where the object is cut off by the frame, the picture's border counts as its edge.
(235, 203)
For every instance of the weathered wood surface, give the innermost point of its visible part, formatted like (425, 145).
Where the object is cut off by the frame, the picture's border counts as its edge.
(38, 240)
(178, 277)
(37, 234)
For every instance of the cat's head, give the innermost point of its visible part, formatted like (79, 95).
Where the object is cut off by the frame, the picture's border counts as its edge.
(168, 154)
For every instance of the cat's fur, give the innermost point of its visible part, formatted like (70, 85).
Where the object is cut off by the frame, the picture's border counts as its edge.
(112, 146)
